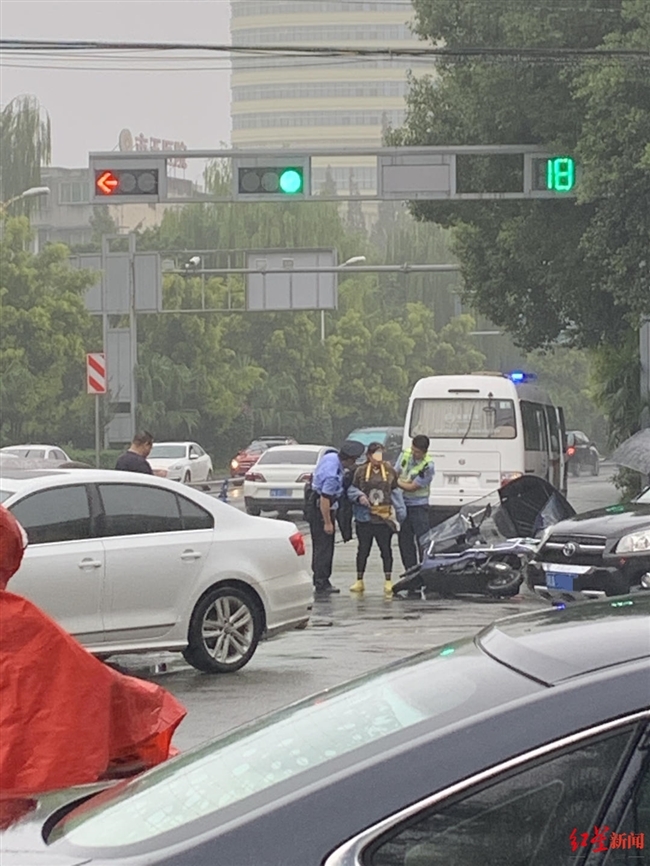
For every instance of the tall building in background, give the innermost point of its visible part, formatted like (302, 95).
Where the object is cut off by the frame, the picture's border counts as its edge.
(310, 102)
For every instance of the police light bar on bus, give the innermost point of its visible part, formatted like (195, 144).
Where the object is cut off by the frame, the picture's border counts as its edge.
(519, 377)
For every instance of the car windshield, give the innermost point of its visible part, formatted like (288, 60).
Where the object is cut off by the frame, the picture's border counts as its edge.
(644, 497)
(295, 747)
(464, 418)
(289, 458)
(368, 436)
(167, 452)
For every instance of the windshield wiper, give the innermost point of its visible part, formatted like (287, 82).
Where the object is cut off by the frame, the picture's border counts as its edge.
(469, 426)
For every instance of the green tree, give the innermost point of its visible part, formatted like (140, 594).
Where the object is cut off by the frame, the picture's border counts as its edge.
(25, 146)
(46, 333)
(538, 268)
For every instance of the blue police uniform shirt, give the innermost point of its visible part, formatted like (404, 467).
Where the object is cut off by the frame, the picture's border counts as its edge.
(328, 476)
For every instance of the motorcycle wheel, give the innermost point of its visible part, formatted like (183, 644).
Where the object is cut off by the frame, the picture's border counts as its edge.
(504, 586)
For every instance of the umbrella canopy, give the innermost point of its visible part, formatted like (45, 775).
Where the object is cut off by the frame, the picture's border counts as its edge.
(634, 453)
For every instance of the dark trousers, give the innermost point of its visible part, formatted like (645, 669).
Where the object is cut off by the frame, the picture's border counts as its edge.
(382, 534)
(413, 527)
(322, 551)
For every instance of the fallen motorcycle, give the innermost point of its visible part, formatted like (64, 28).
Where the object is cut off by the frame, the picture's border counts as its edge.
(485, 548)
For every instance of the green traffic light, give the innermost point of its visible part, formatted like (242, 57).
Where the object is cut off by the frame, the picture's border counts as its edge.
(291, 181)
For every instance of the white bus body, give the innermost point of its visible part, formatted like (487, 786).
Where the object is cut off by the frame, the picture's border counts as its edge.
(485, 430)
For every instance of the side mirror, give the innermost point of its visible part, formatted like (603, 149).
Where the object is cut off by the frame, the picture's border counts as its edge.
(194, 456)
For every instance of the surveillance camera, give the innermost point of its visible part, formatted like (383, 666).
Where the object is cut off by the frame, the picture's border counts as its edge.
(194, 262)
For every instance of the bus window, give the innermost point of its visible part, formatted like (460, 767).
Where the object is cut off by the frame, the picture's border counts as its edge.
(464, 418)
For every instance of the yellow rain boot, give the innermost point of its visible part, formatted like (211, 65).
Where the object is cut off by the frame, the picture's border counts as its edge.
(388, 587)
(357, 586)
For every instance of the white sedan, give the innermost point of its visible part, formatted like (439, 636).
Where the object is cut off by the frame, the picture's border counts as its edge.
(181, 461)
(51, 453)
(130, 563)
(277, 481)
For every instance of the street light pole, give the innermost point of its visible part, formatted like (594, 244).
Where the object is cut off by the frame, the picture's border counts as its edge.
(32, 192)
(355, 260)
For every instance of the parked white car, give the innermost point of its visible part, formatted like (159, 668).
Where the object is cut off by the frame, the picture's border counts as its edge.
(51, 453)
(277, 481)
(181, 461)
(128, 562)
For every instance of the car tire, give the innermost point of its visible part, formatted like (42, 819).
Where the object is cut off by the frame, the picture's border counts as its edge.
(595, 467)
(210, 475)
(253, 510)
(225, 628)
(187, 478)
(574, 468)
(283, 513)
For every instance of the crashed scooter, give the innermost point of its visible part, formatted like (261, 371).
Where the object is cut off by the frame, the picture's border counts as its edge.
(485, 548)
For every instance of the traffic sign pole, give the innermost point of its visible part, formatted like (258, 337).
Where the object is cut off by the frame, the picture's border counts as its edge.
(96, 384)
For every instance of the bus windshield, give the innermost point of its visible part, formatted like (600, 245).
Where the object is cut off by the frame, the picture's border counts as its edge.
(464, 418)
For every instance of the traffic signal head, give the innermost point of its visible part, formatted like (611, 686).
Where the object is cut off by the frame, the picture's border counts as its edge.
(554, 174)
(271, 180)
(126, 182)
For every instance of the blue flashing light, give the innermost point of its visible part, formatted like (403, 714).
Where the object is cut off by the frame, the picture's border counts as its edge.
(559, 605)
(519, 377)
(448, 651)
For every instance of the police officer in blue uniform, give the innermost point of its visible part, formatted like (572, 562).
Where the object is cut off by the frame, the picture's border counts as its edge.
(327, 490)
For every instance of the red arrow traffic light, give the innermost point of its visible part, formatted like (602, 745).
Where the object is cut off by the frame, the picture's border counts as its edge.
(107, 183)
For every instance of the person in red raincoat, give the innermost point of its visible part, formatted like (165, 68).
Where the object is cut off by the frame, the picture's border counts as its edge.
(65, 717)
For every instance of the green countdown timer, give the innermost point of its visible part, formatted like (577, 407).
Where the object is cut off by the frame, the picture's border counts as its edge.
(560, 174)
(554, 174)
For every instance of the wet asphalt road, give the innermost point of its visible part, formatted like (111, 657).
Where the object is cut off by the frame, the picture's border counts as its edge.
(347, 637)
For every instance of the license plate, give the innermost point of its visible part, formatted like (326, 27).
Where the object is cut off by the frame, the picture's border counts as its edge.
(280, 493)
(559, 580)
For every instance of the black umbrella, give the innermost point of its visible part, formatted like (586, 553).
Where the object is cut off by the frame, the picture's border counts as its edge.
(634, 453)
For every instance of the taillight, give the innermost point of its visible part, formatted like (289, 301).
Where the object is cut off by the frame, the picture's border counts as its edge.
(305, 478)
(570, 451)
(254, 476)
(298, 543)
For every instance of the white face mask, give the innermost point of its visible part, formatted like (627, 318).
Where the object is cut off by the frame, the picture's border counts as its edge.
(377, 456)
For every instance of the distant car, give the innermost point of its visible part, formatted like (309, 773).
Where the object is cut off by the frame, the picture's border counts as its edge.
(128, 562)
(600, 553)
(390, 437)
(277, 481)
(242, 462)
(181, 461)
(581, 453)
(526, 745)
(51, 453)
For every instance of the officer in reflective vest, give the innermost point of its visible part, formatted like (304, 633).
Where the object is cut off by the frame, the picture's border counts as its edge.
(416, 471)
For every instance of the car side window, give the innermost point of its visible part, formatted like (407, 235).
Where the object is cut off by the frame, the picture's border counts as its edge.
(60, 514)
(193, 516)
(136, 509)
(36, 454)
(522, 819)
(629, 844)
(58, 455)
(193, 451)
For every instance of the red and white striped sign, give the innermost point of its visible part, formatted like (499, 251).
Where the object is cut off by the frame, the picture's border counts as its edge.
(96, 373)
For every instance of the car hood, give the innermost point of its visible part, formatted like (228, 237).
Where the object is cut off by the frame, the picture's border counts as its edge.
(612, 522)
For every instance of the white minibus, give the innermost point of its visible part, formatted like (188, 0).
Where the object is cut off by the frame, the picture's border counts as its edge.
(485, 430)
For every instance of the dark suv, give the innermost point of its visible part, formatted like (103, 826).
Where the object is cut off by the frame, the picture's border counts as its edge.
(581, 453)
(600, 553)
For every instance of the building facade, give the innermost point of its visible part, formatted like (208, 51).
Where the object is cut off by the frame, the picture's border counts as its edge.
(308, 102)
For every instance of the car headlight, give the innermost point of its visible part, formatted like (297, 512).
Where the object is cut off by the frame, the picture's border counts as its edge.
(635, 542)
(234, 464)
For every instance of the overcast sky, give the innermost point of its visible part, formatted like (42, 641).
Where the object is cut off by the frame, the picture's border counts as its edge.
(88, 108)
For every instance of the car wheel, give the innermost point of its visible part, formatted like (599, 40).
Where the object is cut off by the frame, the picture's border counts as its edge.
(253, 510)
(210, 475)
(187, 477)
(283, 513)
(595, 467)
(574, 468)
(225, 629)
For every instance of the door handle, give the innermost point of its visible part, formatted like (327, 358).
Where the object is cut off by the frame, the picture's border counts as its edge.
(188, 555)
(89, 563)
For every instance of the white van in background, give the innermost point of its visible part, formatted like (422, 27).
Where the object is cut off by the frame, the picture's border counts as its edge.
(485, 430)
